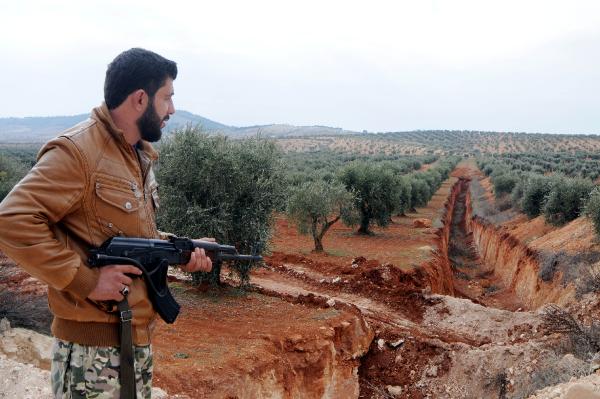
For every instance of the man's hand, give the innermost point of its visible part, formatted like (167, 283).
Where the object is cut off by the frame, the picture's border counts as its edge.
(112, 280)
(199, 262)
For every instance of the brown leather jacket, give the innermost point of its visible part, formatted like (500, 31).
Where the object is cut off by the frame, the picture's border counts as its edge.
(89, 184)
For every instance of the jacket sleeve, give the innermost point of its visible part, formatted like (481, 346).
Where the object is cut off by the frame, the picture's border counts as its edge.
(51, 190)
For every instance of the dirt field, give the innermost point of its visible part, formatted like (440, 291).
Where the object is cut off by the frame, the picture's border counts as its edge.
(368, 317)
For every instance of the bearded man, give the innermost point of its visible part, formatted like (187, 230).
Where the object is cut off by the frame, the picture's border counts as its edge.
(95, 181)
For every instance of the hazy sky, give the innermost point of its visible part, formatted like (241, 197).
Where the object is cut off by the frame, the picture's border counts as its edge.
(505, 65)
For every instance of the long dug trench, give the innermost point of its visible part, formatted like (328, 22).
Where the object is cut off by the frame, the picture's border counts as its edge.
(482, 335)
(475, 277)
(488, 265)
(463, 323)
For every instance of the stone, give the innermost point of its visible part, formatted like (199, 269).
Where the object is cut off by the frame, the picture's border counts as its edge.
(432, 371)
(421, 223)
(396, 344)
(394, 390)
(295, 338)
(582, 391)
(380, 344)
(4, 325)
(331, 302)
(158, 393)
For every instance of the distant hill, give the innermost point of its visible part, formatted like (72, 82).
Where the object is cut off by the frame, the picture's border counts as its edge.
(37, 130)
(41, 129)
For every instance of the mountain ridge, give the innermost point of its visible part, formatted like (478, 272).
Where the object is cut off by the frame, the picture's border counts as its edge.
(35, 129)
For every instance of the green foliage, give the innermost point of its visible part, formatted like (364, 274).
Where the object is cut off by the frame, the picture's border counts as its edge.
(424, 184)
(534, 194)
(516, 194)
(404, 194)
(578, 164)
(11, 171)
(504, 183)
(433, 178)
(316, 205)
(376, 192)
(556, 184)
(566, 199)
(420, 192)
(592, 209)
(321, 163)
(212, 186)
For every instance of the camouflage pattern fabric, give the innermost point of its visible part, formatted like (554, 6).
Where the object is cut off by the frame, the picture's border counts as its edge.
(82, 372)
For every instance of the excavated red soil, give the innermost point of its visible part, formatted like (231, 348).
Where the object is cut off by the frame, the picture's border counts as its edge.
(400, 290)
(229, 343)
(300, 331)
(224, 341)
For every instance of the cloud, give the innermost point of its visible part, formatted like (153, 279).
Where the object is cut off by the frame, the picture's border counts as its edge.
(382, 65)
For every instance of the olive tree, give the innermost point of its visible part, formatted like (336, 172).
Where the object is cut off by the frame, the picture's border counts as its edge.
(420, 192)
(316, 205)
(592, 209)
(535, 192)
(404, 195)
(504, 183)
(565, 202)
(212, 186)
(376, 193)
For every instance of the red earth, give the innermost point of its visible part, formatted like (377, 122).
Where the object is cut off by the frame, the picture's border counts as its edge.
(226, 339)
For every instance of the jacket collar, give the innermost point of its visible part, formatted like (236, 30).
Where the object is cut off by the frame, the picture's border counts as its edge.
(102, 115)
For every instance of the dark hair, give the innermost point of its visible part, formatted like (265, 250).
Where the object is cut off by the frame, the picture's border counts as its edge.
(136, 69)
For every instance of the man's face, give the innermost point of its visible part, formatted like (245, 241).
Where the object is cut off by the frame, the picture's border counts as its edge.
(159, 108)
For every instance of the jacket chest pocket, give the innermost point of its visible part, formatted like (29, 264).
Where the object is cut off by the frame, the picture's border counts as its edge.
(117, 205)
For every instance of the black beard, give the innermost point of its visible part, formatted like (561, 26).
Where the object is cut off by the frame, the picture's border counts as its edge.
(149, 123)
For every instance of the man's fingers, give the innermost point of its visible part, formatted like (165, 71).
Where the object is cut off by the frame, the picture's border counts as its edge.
(204, 261)
(126, 280)
(208, 265)
(198, 261)
(128, 269)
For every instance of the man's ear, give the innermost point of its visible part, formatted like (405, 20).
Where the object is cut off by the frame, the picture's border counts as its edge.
(139, 100)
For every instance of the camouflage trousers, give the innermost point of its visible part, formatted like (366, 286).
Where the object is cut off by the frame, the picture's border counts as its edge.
(80, 371)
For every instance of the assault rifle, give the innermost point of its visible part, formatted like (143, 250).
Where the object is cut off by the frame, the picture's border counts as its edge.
(153, 258)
